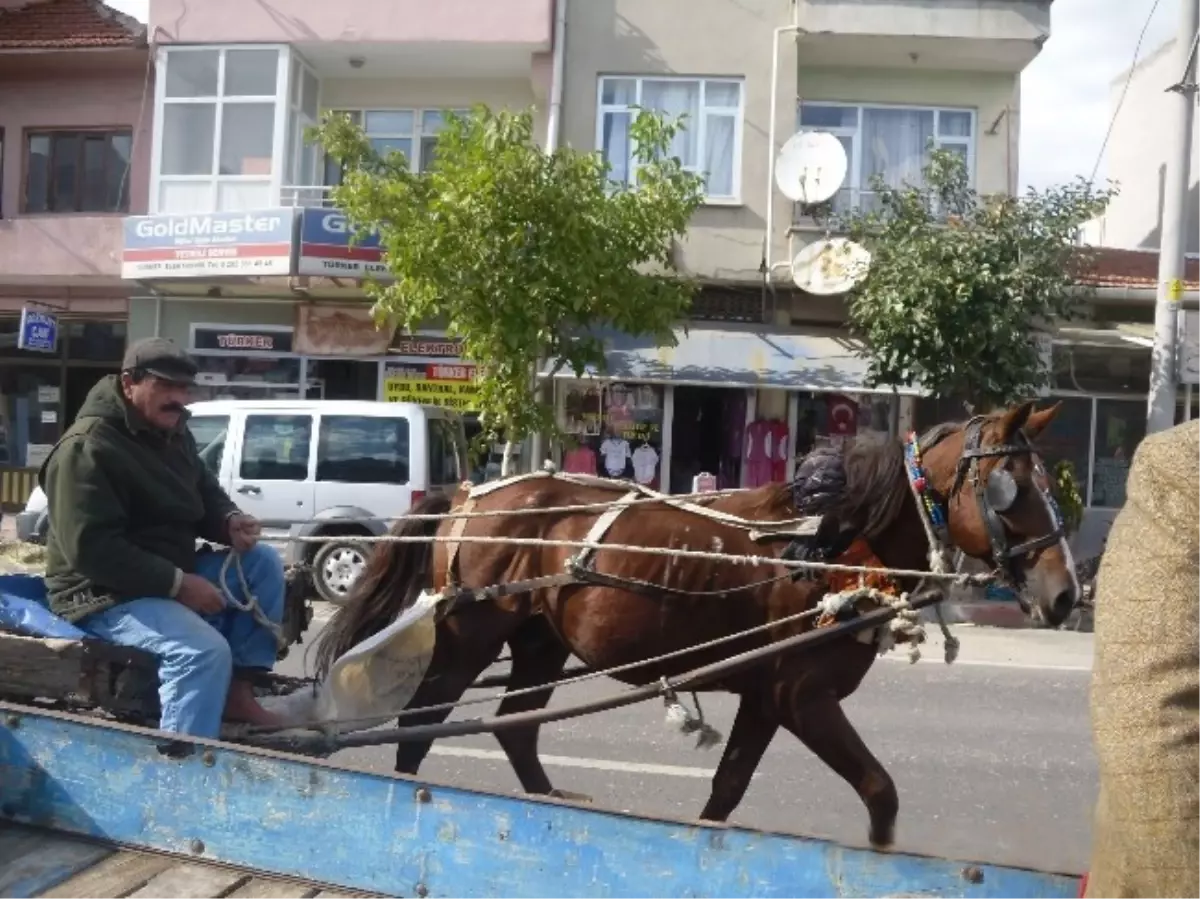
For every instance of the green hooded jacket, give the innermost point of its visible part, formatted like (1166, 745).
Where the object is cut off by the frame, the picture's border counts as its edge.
(127, 504)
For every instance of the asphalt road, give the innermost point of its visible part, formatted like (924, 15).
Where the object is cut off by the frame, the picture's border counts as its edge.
(992, 756)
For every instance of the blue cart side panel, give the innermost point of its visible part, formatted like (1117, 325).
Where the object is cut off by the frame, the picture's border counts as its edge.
(392, 835)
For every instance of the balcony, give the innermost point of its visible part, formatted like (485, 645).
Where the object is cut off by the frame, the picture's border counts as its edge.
(61, 250)
(372, 38)
(946, 35)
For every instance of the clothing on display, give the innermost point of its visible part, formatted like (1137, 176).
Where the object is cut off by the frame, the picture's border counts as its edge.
(645, 464)
(616, 454)
(581, 460)
(766, 451)
(581, 411)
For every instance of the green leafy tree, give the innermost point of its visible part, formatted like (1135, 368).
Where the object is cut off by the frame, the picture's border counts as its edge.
(521, 253)
(960, 282)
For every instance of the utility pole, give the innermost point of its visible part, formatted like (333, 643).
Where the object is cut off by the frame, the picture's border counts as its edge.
(1171, 261)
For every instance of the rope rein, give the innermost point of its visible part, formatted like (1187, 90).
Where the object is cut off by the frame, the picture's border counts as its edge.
(233, 559)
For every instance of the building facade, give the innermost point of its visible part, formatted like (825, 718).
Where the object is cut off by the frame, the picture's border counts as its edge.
(74, 161)
(235, 88)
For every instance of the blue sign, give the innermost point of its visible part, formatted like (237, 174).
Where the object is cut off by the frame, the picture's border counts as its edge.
(39, 332)
(326, 249)
(258, 242)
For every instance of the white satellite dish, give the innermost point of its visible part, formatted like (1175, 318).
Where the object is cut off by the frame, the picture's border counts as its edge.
(831, 266)
(811, 167)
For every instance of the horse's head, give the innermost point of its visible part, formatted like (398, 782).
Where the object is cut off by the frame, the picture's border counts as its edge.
(987, 488)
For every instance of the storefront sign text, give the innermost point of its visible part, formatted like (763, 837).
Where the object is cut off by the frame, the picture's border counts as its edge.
(428, 347)
(330, 249)
(246, 340)
(209, 244)
(39, 332)
(451, 386)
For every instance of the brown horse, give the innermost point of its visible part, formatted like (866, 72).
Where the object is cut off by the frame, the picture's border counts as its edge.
(983, 482)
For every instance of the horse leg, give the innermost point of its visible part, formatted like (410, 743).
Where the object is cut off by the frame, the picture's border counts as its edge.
(820, 724)
(455, 665)
(752, 731)
(538, 657)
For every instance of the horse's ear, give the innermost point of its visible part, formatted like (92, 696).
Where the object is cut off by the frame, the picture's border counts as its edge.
(1014, 419)
(1037, 421)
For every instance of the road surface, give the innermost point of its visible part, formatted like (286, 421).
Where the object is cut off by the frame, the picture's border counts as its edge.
(992, 756)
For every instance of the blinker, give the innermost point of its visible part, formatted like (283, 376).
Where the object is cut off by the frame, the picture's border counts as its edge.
(1001, 491)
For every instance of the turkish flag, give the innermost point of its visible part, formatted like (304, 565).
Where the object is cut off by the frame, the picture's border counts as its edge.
(842, 414)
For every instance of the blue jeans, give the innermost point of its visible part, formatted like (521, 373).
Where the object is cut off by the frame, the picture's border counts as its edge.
(197, 653)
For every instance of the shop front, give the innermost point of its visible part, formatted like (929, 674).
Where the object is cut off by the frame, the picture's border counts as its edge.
(43, 385)
(725, 408)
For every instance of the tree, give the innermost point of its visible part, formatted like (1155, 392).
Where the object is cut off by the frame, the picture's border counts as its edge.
(959, 283)
(524, 254)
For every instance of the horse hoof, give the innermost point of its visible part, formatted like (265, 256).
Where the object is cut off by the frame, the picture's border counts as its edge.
(569, 796)
(882, 842)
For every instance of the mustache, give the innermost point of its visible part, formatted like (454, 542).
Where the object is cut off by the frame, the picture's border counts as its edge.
(171, 407)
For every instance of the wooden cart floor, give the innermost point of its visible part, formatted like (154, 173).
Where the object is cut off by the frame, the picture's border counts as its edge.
(39, 863)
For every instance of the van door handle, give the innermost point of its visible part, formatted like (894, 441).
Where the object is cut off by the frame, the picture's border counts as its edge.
(250, 489)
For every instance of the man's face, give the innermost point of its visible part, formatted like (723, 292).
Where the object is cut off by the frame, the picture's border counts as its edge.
(161, 402)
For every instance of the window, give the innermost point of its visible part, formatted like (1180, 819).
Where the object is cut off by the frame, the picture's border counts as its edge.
(217, 146)
(708, 144)
(1120, 427)
(209, 432)
(412, 132)
(276, 447)
(358, 449)
(447, 463)
(890, 141)
(77, 171)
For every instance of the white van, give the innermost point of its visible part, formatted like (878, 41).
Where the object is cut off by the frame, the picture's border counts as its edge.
(321, 468)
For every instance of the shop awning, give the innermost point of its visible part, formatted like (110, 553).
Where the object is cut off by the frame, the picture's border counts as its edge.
(739, 358)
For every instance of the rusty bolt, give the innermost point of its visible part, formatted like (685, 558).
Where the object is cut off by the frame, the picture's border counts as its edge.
(13, 721)
(197, 847)
(422, 890)
(208, 758)
(972, 874)
(423, 795)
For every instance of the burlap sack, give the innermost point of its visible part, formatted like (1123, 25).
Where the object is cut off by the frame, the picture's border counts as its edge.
(1146, 679)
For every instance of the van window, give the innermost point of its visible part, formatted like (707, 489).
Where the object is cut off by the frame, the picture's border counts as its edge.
(276, 448)
(210, 433)
(447, 464)
(360, 449)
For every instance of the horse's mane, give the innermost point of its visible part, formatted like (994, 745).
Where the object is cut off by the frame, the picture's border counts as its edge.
(392, 569)
(873, 483)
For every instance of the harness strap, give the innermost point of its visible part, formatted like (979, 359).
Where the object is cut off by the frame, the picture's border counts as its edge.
(456, 531)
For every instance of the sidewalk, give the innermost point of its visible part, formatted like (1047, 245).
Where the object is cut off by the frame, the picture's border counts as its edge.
(1028, 648)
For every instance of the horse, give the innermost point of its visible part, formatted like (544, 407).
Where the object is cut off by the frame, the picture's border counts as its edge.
(978, 486)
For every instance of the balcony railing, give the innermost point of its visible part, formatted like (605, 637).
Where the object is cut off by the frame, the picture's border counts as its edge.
(844, 202)
(306, 196)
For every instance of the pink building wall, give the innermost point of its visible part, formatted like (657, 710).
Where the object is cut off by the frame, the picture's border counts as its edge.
(352, 21)
(70, 90)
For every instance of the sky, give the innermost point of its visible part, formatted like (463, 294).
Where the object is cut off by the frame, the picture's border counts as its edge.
(1065, 92)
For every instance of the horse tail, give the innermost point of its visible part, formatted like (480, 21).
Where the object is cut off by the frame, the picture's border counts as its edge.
(393, 578)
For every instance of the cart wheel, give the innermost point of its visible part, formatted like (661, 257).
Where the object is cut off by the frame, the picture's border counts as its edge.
(336, 567)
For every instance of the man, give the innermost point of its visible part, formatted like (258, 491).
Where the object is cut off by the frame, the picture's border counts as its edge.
(1146, 678)
(128, 499)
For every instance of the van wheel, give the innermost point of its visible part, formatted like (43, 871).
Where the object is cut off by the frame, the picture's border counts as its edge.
(336, 567)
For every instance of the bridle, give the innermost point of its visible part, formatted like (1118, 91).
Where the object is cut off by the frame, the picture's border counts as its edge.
(994, 495)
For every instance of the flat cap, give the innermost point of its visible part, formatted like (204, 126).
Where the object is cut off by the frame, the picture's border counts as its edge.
(161, 357)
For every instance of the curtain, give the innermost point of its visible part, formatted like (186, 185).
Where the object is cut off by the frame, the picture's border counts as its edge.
(616, 146)
(718, 154)
(673, 99)
(894, 145)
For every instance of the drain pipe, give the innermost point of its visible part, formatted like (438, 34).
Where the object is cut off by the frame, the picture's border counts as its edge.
(537, 442)
(777, 35)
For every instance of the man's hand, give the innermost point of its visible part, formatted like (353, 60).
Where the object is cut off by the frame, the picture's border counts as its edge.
(244, 531)
(200, 595)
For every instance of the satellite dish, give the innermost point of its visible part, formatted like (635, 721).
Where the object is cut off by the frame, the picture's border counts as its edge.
(831, 266)
(811, 167)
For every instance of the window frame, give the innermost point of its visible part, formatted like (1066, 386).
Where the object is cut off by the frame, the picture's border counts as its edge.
(281, 101)
(416, 136)
(329, 419)
(1094, 399)
(739, 122)
(239, 462)
(856, 190)
(53, 133)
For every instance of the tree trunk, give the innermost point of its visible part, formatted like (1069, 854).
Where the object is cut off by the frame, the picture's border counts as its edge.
(510, 449)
